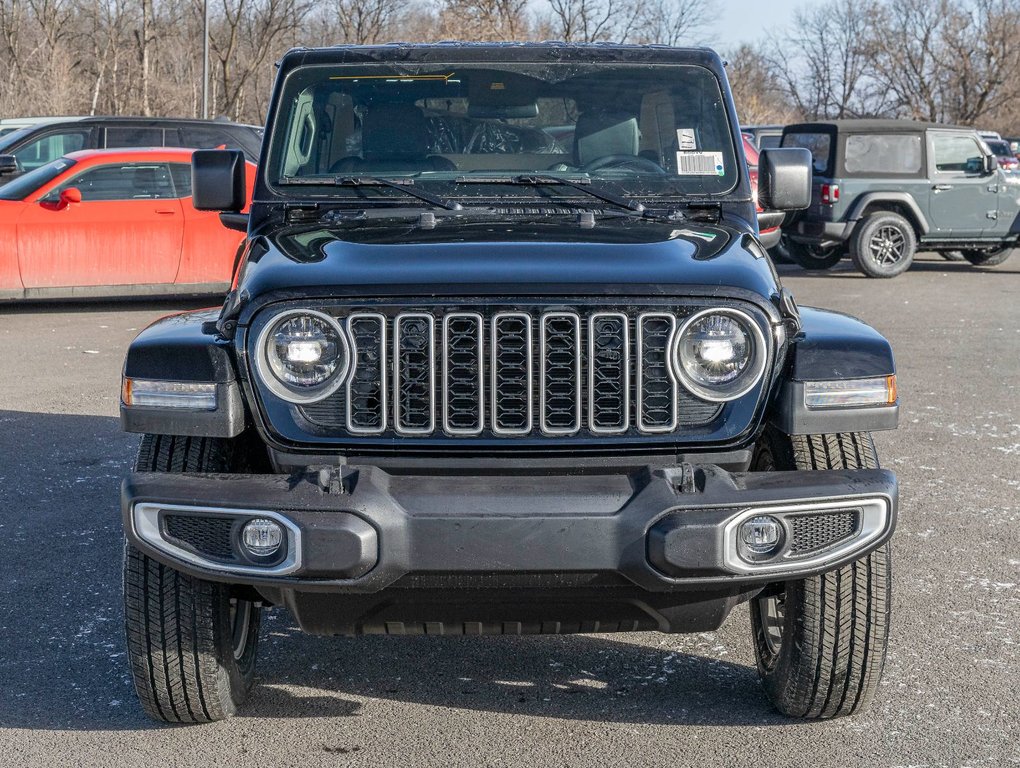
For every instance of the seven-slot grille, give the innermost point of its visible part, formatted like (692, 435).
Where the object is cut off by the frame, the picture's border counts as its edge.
(512, 373)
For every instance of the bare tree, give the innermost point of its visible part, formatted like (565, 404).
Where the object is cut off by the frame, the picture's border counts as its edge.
(368, 21)
(827, 60)
(758, 88)
(503, 20)
(591, 21)
(671, 22)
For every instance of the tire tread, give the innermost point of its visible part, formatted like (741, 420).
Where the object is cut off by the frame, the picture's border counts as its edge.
(834, 663)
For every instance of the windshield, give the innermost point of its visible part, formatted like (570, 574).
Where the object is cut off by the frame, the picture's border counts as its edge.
(9, 139)
(999, 147)
(637, 130)
(22, 186)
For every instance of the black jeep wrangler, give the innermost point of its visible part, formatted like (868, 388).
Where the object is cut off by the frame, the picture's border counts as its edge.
(885, 188)
(504, 356)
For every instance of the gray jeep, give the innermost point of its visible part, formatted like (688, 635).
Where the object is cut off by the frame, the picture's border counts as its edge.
(883, 189)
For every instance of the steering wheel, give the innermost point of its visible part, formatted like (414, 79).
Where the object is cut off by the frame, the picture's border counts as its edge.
(621, 161)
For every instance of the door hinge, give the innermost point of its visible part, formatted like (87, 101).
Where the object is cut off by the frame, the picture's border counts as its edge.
(992, 215)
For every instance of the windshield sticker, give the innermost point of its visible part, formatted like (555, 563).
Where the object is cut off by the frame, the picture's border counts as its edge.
(686, 140)
(700, 164)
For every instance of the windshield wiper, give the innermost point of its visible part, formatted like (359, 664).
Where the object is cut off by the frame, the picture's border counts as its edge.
(541, 180)
(401, 185)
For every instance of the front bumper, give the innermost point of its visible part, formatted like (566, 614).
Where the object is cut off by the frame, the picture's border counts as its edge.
(363, 530)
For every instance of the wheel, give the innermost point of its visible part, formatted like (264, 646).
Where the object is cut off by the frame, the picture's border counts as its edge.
(812, 257)
(191, 643)
(883, 245)
(988, 258)
(780, 253)
(820, 642)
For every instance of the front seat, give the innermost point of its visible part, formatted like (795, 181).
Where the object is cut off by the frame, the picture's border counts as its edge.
(394, 137)
(603, 132)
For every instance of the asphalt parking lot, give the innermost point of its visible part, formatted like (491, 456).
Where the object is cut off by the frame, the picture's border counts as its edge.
(949, 696)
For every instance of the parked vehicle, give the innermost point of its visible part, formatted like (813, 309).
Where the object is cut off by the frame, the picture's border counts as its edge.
(884, 188)
(103, 223)
(11, 124)
(1004, 154)
(506, 391)
(764, 136)
(36, 145)
(768, 222)
(1014, 146)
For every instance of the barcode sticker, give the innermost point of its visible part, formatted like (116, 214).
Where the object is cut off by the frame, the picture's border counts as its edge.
(700, 164)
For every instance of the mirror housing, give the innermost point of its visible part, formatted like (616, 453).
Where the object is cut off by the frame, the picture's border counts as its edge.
(217, 180)
(784, 179)
(990, 165)
(9, 165)
(69, 195)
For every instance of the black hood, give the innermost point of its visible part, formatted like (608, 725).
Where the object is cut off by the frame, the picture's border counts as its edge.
(507, 257)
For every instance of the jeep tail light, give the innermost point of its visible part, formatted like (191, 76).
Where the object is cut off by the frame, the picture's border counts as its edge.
(830, 193)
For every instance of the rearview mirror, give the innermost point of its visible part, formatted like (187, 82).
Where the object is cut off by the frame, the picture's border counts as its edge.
(217, 180)
(784, 179)
(8, 165)
(69, 195)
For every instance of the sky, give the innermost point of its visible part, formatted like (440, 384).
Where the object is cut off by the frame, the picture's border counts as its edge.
(738, 21)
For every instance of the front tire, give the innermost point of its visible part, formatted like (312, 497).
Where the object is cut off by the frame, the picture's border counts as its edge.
(191, 643)
(883, 245)
(820, 642)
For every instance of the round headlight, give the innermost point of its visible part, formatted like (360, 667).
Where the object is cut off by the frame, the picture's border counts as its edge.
(303, 356)
(720, 354)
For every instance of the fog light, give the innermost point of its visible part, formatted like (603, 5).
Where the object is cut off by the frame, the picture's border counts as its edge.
(261, 537)
(761, 535)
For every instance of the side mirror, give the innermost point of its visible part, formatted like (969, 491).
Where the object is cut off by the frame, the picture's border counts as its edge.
(217, 180)
(69, 195)
(9, 165)
(990, 164)
(784, 179)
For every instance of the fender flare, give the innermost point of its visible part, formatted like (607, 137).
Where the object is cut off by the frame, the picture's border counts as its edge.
(900, 198)
(185, 347)
(832, 346)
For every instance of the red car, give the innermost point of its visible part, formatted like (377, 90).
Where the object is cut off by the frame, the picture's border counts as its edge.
(769, 234)
(112, 223)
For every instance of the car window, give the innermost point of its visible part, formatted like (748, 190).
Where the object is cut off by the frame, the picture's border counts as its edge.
(769, 141)
(133, 136)
(136, 181)
(957, 153)
(897, 153)
(48, 148)
(203, 137)
(181, 174)
(23, 186)
(818, 144)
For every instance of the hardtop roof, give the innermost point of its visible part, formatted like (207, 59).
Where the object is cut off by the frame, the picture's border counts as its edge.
(473, 52)
(871, 125)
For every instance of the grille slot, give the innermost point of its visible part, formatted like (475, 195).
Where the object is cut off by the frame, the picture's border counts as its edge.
(608, 373)
(463, 373)
(528, 372)
(656, 387)
(812, 533)
(366, 389)
(414, 375)
(209, 536)
(511, 373)
(560, 362)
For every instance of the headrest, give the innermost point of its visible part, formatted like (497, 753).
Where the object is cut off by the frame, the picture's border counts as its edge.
(599, 133)
(394, 130)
